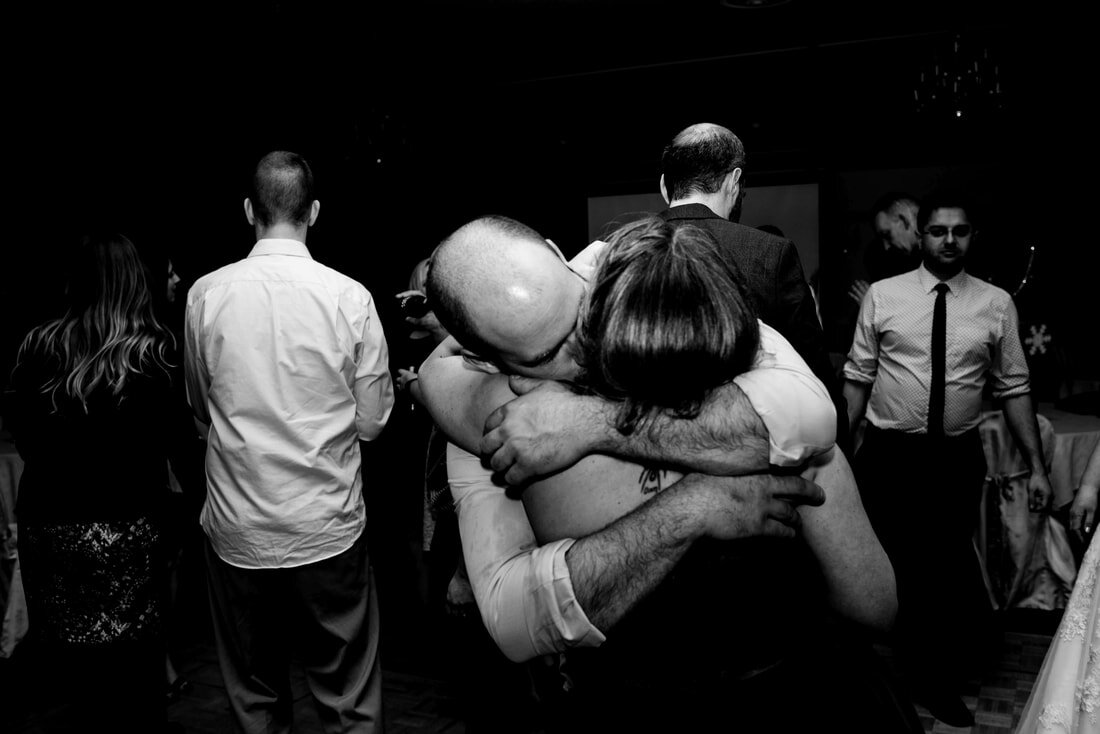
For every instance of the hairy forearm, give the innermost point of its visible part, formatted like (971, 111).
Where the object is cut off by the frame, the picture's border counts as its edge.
(727, 438)
(613, 569)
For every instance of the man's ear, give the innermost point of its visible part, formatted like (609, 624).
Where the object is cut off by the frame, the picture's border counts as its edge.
(664, 191)
(314, 210)
(733, 179)
(555, 248)
(248, 212)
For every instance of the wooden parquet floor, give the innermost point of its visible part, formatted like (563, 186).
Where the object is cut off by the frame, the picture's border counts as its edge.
(998, 698)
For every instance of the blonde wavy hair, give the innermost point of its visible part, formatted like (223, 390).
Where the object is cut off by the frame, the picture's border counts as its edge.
(109, 331)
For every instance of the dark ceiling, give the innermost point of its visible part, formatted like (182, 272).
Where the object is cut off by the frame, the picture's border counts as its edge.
(473, 94)
(519, 104)
(795, 76)
(419, 115)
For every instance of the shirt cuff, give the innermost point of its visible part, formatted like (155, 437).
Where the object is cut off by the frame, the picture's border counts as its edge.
(1011, 392)
(551, 615)
(856, 376)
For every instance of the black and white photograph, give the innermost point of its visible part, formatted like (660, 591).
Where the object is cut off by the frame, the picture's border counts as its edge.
(549, 367)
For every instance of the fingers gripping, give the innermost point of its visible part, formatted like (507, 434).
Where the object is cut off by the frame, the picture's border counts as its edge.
(490, 442)
(799, 491)
(515, 476)
(495, 419)
(502, 458)
(779, 529)
(785, 513)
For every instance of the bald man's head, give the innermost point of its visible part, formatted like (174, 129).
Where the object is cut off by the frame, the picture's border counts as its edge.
(506, 294)
(894, 218)
(699, 158)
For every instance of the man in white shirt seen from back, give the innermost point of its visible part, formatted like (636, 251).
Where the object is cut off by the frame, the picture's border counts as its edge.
(288, 365)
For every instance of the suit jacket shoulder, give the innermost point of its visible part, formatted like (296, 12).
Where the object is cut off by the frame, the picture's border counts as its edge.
(771, 270)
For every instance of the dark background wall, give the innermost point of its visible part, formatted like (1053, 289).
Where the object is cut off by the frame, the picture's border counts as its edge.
(420, 116)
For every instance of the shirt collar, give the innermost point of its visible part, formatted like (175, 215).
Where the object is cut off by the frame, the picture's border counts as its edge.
(293, 248)
(689, 211)
(928, 281)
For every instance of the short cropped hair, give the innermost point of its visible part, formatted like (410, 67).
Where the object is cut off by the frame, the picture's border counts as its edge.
(699, 158)
(944, 199)
(448, 283)
(667, 320)
(282, 189)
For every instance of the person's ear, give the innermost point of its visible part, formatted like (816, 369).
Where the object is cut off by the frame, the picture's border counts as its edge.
(555, 248)
(248, 213)
(314, 210)
(733, 179)
(664, 191)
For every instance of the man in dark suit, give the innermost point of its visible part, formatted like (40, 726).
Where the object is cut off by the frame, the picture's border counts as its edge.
(702, 182)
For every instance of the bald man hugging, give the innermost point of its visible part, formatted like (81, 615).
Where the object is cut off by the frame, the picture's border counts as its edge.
(690, 545)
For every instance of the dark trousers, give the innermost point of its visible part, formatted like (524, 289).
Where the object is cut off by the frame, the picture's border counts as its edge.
(325, 614)
(833, 683)
(922, 496)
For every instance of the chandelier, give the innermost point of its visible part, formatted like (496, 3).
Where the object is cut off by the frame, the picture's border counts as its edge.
(962, 81)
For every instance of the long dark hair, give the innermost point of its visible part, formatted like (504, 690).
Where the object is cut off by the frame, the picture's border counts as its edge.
(667, 320)
(109, 331)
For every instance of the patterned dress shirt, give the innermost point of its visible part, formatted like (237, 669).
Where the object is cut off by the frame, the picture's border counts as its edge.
(891, 350)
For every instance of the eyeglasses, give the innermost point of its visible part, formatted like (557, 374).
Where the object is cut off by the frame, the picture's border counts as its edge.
(939, 230)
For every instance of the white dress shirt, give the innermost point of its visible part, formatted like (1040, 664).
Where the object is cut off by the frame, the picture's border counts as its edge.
(287, 363)
(524, 592)
(892, 350)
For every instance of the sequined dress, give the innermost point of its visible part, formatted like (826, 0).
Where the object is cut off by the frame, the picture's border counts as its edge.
(92, 504)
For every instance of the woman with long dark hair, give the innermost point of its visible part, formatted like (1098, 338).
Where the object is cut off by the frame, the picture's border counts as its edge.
(99, 410)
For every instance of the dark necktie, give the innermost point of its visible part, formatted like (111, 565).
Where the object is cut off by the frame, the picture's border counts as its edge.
(939, 360)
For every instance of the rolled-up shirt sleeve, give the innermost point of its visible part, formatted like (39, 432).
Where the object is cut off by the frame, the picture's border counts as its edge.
(523, 591)
(791, 401)
(862, 364)
(1008, 374)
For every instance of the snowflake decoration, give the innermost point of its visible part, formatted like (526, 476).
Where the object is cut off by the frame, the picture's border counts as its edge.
(1037, 342)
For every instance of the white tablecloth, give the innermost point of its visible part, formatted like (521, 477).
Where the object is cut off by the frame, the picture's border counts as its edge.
(1027, 556)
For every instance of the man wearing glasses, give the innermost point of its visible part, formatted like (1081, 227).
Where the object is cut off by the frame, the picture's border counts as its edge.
(926, 343)
(702, 180)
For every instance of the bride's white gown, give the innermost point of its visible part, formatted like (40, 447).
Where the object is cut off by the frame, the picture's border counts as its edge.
(1066, 696)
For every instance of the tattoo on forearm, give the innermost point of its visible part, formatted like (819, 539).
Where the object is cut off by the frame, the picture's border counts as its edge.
(651, 480)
